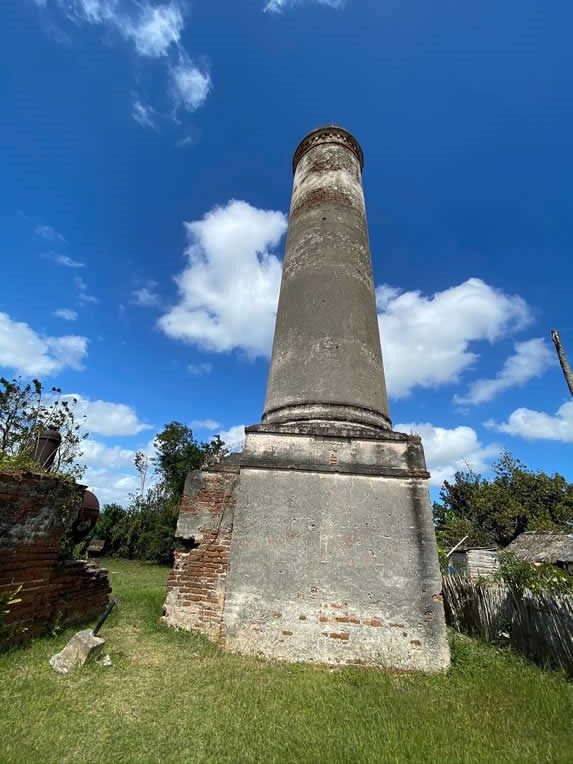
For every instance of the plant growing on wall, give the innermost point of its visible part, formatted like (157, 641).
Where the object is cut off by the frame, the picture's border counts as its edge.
(7, 600)
(26, 409)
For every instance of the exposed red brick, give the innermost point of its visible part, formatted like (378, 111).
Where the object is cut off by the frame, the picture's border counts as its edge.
(287, 633)
(342, 635)
(196, 585)
(51, 590)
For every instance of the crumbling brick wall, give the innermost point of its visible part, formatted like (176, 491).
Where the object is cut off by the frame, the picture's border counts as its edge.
(36, 513)
(196, 587)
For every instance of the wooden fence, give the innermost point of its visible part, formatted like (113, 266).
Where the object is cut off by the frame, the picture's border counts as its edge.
(539, 626)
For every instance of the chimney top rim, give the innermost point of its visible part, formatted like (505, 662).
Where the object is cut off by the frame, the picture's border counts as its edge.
(312, 138)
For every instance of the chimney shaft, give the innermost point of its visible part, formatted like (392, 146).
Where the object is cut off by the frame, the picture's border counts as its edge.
(327, 363)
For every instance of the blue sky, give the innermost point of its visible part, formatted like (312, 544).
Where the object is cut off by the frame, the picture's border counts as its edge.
(146, 174)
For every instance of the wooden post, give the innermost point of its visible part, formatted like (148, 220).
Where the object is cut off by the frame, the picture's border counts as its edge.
(567, 373)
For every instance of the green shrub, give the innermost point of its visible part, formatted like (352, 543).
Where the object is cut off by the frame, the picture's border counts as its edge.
(537, 577)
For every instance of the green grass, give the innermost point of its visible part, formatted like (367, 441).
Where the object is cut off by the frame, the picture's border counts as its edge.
(174, 697)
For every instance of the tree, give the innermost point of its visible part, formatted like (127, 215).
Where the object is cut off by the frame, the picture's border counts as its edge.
(141, 465)
(145, 530)
(178, 453)
(497, 511)
(25, 411)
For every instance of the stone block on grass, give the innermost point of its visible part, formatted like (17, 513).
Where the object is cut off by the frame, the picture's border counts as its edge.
(82, 647)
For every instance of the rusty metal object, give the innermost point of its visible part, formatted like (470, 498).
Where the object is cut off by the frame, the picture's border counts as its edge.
(87, 517)
(47, 447)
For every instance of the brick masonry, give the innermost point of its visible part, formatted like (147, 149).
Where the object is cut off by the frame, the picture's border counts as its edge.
(196, 587)
(36, 513)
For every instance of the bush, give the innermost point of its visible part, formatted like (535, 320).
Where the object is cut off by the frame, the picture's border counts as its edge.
(143, 531)
(537, 577)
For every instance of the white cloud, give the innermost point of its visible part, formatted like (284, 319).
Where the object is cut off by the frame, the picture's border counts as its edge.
(107, 474)
(229, 292)
(156, 29)
(200, 368)
(152, 28)
(29, 353)
(68, 262)
(450, 450)
(96, 454)
(83, 295)
(92, 11)
(531, 359)
(105, 417)
(66, 314)
(426, 339)
(537, 425)
(229, 289)
(277, 6)
(146, 296)
(205, 424)
(109, 486)
(142, 114)
(234, 437)
(189, 85)
(49, 233)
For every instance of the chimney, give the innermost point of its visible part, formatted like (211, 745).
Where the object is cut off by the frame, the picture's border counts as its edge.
(326, 362)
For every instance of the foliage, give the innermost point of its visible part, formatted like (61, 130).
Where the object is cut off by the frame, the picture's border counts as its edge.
(25, 410)
(497, 511)
(537, 577)
(178, 452)
(22, 462)
(141, 462)
(7, 599)
(173, 696)
(443, 559)
(145, 529)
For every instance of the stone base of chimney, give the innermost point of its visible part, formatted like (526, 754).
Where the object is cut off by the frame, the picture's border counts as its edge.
(333, 556)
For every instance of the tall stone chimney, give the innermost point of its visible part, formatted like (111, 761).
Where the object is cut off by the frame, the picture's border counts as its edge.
(326, 363)
(318, 545)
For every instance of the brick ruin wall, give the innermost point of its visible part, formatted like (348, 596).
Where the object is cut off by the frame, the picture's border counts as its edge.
(36, 513)
(196, 586)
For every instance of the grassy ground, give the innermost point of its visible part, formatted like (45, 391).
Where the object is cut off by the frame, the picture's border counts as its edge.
(173, 697)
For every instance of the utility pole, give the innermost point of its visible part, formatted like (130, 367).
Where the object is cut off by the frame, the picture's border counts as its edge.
(567, 373)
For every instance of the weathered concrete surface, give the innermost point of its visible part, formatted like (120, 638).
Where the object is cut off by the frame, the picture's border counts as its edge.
(326, 362)
(82, 647)
(332, 562)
